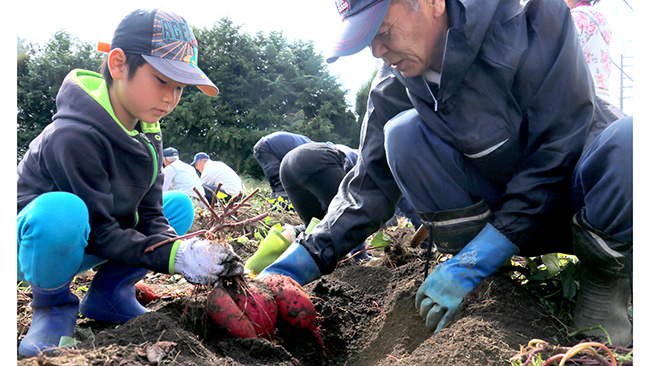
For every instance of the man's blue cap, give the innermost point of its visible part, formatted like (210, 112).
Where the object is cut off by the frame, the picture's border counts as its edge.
(200, 156)
(361, 21)
(170, 151)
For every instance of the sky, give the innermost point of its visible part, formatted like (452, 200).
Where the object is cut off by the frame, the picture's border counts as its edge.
(315, 20)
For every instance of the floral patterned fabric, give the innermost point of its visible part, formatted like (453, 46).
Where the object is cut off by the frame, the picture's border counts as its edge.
(595, 35)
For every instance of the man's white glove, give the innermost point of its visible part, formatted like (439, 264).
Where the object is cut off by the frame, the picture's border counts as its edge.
(202, 262)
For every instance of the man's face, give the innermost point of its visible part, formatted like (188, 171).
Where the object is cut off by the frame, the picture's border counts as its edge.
(199, 165)
(412, 41)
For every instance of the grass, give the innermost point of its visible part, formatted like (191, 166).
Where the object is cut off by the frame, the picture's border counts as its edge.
(252, 183)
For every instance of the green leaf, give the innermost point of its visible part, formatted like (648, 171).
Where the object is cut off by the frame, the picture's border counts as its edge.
(259, 236)
(552, 262)
(569, 287)
(539, 276)
(380, 241)
(569, 276)
(68, 342)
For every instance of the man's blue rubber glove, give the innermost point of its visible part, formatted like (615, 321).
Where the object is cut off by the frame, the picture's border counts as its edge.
(296, 263)
(439, 297)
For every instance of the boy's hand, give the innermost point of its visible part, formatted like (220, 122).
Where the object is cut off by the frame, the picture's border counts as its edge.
(202, 262)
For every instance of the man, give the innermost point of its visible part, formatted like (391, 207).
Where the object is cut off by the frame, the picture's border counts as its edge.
(180, 176)
(269, 152)
(215, 172)
(484, 116)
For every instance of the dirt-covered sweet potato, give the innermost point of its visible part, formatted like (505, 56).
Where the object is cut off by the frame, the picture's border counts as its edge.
(225, 313)
(294, 305)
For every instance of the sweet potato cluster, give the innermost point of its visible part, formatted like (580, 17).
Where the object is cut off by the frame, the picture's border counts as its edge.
(251, 309)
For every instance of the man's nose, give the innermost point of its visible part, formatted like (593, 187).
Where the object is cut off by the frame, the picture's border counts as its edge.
(378, 48)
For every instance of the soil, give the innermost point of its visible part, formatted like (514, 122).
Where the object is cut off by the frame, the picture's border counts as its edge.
(366, 315)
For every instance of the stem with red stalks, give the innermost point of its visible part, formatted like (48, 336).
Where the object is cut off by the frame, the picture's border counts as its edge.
(233, 205)
(171, 240)
(217, 220)
(240, 223)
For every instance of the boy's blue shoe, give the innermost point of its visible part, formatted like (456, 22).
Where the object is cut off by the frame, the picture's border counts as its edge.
(54, 316)
(111, 296)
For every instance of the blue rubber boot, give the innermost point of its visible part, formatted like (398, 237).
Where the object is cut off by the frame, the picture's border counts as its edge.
(54, 316)
(111, 296)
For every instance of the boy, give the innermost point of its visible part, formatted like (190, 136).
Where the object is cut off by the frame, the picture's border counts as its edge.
(90, 186)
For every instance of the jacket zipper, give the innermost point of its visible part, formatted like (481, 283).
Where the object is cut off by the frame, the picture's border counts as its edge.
(154, 156)
(435, 101)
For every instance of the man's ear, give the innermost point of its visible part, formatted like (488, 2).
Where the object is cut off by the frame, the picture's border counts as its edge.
(439, 7)
(117, 64)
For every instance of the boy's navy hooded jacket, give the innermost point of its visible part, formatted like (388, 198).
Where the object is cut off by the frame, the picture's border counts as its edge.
(117, 173)
(515, 97)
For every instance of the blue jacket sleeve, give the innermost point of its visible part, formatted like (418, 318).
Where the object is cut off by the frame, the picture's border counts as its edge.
(368, 193)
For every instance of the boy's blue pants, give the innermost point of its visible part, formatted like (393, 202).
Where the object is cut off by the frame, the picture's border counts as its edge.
(439, 178)
(53, 232)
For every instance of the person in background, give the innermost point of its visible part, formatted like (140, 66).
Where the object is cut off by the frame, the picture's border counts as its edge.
(180, 176)
(269, 152)
(484, 117)
(595, 36)
(215, 172)
(311, 174)
(89, 188)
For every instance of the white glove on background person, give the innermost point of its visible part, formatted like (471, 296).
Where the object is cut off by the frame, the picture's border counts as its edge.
(202, 262)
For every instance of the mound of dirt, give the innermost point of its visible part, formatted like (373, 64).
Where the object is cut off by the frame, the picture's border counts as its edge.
(366, 313)
(366, 316)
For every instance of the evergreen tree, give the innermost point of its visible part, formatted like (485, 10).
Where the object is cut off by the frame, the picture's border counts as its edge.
(41, 71)
(266, 84)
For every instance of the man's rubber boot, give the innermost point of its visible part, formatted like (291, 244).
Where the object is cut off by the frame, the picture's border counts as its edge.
(605, 285)
(54, 316)
(269, 250)
(111, 296)
(451, 230)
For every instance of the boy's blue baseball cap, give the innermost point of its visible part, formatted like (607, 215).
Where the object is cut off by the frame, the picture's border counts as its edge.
(166, 42)
(361, 21)
(200, 156)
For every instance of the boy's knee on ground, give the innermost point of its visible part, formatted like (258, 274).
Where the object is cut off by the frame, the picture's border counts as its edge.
(52, 233)
(179, 210)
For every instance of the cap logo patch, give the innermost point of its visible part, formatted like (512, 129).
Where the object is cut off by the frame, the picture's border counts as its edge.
(175, 40)
(342, 6)
(174, 31)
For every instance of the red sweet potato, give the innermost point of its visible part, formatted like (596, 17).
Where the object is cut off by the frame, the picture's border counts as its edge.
(294, 305)
(225, 313)
(257, 303)
(145, 294)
